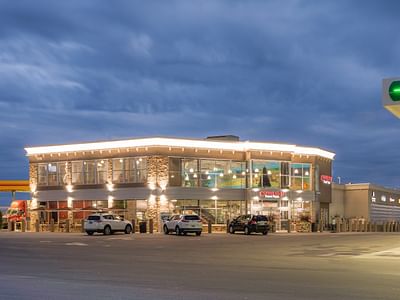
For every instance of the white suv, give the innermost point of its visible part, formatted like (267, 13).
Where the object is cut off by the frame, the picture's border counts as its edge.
(183, 224)
(107, 224)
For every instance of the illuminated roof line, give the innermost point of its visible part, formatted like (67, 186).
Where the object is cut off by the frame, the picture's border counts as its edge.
(181, 143)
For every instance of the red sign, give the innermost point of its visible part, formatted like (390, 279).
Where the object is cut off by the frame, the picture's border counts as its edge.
(272, 194)
(326, 179)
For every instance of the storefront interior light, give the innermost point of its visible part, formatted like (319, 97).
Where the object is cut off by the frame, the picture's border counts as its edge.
(191, 170)
(221, 174)
(234, 176)
(243, 173)
(256, 170)
(195, 175)
(307, 173)
(229, 171)
(208, 177)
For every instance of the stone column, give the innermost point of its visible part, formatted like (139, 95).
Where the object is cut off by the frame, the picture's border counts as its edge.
(157, 180)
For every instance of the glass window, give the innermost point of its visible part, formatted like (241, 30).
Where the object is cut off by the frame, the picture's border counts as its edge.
(89, 172)
(42, 174)
(300, 176)
(77, 170)
(130, 170)
(52, 174)
(101, 171)
(190, 172)
(62, 173)
(266, 174)
(118, 171)
(222, 174)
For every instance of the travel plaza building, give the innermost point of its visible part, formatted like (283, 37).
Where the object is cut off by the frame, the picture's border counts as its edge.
(217, 178)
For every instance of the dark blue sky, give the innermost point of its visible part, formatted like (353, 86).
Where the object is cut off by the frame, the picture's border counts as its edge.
(304, 72)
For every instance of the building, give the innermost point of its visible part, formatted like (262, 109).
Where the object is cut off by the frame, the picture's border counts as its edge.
(148, 178)
(367, 201)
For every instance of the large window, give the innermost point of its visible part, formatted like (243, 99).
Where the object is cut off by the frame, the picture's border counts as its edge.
(266, 174)
(214, 211)
(129, 170)
(210, 173)
(89, 172)
(300, 175)
(52, 174)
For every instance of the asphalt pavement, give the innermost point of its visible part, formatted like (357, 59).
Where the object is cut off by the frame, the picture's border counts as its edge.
(217, 266)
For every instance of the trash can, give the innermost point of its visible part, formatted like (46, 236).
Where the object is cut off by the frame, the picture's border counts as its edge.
(143, 227)
(314, 227)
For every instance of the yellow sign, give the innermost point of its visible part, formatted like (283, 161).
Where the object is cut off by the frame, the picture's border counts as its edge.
(14, 186)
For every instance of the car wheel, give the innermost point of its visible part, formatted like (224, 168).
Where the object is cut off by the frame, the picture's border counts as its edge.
(265, 232)
(246, 230)
(128, 229)
(166, 231)
(177, 230)
(107, 230)
(231, 230)
(89, 232)
(198, 233)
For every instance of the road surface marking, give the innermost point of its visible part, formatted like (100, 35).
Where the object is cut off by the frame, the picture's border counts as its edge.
(390, 253)
(76, 244)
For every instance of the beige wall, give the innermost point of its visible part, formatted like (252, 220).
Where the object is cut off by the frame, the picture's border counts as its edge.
(336, 208)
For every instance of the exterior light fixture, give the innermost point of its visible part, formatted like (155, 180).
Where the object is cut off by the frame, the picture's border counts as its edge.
(208, 177)
(194, 175)
(110, 187)
(221, 174)
(234, 176)
(243, 173)
(191, 170)
(121, 160)
(214, 198)
(69, 188)
(256, 170)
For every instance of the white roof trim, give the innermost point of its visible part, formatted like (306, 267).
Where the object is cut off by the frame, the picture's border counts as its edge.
(184, 143)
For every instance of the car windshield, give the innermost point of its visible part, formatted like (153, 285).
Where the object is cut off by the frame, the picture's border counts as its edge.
(192, 218)
(94, 218)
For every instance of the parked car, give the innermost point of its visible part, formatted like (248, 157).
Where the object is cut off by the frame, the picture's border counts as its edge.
(183, 224)
(249, 224)
(106, 224)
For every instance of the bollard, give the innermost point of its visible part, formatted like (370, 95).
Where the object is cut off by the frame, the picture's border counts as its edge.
(365, 226)
(227, 226)
(375, 227)
(337, 225)
(28, 225)
(52, 225)
(67, 226)
(151, 226)
(83, 225)
(37, 226)
(384, 227)
(289, 229)
(133, 226)
(209, 227)
(23, 222)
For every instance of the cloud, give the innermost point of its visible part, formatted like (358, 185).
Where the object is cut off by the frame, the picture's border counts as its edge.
(296, 72)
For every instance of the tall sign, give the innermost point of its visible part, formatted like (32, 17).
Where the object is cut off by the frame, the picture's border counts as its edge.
(391, 95)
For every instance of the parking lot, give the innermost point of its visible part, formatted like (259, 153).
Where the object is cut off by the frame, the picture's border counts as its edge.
(216, 266)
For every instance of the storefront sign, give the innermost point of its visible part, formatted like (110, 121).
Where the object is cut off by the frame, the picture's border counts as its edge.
(326, 179)
(271, 194)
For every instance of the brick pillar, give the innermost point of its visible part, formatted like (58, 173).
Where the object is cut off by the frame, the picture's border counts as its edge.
(157, 180)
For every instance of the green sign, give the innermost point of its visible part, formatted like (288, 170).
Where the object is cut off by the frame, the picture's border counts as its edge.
(394, 90)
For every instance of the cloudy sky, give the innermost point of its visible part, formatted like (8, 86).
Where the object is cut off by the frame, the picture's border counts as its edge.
(303, 72)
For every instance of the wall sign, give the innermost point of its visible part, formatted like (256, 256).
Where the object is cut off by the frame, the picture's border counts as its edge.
(271, 194)
(326, 179)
